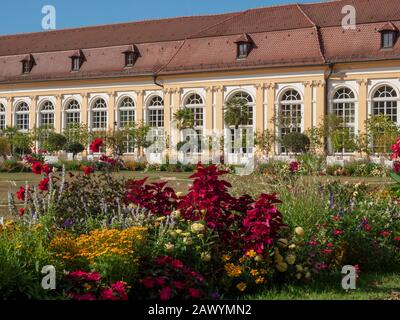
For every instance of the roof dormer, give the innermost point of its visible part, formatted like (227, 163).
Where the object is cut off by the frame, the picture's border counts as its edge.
(244, 45)
(131, 55)
(77, 59)
(389, 33)
(27, 64)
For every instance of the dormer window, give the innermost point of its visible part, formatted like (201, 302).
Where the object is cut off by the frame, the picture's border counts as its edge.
(388, 35)
(27, 64)
(387, 39)
(244, 46)
(131, 55)
(77, 60)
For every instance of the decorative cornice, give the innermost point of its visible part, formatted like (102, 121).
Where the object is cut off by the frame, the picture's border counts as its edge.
(362, 82)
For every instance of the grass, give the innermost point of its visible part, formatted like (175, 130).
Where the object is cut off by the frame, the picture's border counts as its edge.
(368, 287)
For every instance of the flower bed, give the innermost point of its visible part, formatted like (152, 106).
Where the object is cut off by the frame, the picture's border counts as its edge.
(115, 239)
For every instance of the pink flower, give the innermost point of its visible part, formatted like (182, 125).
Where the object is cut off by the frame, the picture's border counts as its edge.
(84, 297)
(108, 294)
(44, 184)
(94, 276)
(149, 282)
(78, 274)
(195, 293)
(337, 232)
(178, 285)
(294, 166)
(396, 239)
(396, 149)
(165, 294)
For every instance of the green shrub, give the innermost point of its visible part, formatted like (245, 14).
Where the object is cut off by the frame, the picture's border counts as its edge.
(296, 142)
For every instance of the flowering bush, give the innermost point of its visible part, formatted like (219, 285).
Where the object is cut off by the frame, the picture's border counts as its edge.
(167, 278)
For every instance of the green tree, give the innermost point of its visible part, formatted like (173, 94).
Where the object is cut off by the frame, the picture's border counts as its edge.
(236, 112)
(184, 119)
(74, 148)
(55, 142)
(265, 141)
(77, 133)
(5, 147)
(382, 133)
(343, 140)
(22, 143)
(139, 135)
(295, 142)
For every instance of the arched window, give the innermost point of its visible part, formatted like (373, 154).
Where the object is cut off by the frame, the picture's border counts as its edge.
(46, 115)
(22, 116)
(72, 113)
(155, 112)
(155, 119)
(250, 104)
(290, 112)
(344, 107)
(126, 112)
(385, 102)
(2, 117)
(195, 103)
(99, 114)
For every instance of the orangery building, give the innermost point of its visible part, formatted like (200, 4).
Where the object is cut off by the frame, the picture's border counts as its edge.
(297, 60)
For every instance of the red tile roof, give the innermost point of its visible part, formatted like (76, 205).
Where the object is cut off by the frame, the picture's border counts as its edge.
(286, 35)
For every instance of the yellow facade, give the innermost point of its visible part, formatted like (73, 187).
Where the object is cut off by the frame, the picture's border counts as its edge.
(266, 87)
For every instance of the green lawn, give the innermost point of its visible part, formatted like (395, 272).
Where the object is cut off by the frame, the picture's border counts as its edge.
(369, 287)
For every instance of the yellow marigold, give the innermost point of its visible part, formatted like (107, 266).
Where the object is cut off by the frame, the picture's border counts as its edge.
(226, 257)
(260, 280)
(232, 270)
(241, 286)
(254, 273)
(251, 253)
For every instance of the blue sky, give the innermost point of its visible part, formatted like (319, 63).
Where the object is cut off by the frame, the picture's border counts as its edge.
(17, 16)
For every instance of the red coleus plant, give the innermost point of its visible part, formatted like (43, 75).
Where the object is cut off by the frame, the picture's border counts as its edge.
(96, 145)
(261, 224)
(155, 197)
(167, 278)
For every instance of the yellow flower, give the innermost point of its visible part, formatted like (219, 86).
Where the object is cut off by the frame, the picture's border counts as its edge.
(282, 267)
(291, 259)
(206, 257)
(169, 246)
(299, 231)
(251, 253)
(254, 273)
(226, 257)
(197, 227)
(292, 246)
(241, 286)
(298, 276)
(283, 243)
(299, 268)
(260, 280)
(232, 270)
(242, 259)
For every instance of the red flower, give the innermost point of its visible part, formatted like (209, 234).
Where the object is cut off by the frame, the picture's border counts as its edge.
(336, 218)
(329, 245)
(88, 170)
(385, 233)
(327, 251)
(396, 239)
(44, 184)
(37, 167)
(337, 232)
(47, 169)
(294, 166)
(178, 285)
(195, 293)
(165, 294)
(108, 294)
(177, 264)
(96, 145)
(21, 212)
(367, 227)
(396, 149)
(21, 194)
